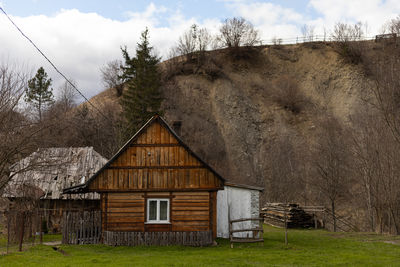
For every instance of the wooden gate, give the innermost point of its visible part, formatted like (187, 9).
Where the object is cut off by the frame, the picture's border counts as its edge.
(81, 227)
(257, 233)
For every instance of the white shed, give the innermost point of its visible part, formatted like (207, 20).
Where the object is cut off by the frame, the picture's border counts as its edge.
(237, 201)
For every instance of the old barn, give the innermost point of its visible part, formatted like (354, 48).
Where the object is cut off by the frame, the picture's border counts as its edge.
(40, 178)
(156, 189)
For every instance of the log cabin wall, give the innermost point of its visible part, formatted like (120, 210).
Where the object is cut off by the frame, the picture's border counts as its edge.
(189, 212)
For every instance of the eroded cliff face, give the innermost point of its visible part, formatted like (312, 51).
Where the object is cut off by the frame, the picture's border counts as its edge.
(232, 120)
(232, 109)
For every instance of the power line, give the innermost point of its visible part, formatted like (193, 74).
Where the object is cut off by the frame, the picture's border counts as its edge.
(51, 63)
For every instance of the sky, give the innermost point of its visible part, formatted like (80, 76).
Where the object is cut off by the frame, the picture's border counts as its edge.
(82, 36)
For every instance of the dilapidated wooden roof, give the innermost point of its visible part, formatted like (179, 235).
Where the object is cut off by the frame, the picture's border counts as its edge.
(49, 170)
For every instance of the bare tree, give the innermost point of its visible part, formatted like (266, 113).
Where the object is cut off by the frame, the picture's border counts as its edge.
(237, 32)
(386, 90)
(204, 39)
(344, 33)
(17, 133)
(67, 97)
(308, 33)
(187, 43)
(376, 164)
(347, 38)
(276, 41)
(377, 143)
(111, 76)
(92, 129)
(392, 26)
(284, 182)
(330, 163)
(193, 40)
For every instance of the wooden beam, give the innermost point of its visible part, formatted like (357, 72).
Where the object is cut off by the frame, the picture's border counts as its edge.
(157, 190)
(155, 145)
(154, 167)
(214, 210)
(247, 219)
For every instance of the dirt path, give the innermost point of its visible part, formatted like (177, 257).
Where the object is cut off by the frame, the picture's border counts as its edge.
(52, 243)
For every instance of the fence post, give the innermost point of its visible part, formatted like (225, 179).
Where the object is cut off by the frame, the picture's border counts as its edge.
(286, 239)
(8, 230)
(315, 221)
(21, 237)
(41, 228)
(33, 228)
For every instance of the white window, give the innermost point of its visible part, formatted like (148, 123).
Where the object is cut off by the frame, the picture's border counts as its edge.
(157, 210)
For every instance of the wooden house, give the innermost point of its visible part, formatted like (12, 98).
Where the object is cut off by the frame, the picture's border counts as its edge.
(155, 188)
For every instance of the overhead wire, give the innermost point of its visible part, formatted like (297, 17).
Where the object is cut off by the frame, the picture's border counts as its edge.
(53, 65)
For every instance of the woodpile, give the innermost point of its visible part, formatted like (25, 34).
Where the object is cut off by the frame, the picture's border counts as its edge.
(274, 214)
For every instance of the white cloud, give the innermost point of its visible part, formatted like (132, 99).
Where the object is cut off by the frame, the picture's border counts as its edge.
(274, 20)
(374, 12)
(80, 43)
(270, 19)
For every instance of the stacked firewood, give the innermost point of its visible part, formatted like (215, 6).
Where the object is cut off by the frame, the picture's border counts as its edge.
(296, 217)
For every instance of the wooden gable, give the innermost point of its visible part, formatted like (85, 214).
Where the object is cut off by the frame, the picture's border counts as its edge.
(155, 159)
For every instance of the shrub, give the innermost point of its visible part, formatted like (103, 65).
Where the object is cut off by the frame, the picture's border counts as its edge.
(288, 95)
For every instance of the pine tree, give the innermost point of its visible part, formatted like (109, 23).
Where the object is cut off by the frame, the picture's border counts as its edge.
(142, 98)
(39, 92)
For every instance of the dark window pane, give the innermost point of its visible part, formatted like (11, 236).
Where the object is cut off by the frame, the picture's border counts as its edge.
(163, 210)
(152, 210)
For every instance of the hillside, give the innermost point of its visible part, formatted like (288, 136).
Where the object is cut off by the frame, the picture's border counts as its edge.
(232, 109)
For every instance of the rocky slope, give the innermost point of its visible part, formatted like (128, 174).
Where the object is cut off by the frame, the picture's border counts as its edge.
(233, 108)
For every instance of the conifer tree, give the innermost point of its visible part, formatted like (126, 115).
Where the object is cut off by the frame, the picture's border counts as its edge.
(142, 97)
(38, 92)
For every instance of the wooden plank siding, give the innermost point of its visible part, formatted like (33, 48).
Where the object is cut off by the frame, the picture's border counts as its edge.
(189, 211)
(155, 161)
(124, 212)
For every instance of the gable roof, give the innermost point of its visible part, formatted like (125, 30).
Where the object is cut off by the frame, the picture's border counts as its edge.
(47, 171)
(156, 118)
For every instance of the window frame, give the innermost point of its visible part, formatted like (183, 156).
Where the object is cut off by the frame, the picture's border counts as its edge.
(157, 221)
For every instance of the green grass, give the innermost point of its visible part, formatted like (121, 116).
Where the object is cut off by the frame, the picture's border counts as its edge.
(13, 247)
(306, 248)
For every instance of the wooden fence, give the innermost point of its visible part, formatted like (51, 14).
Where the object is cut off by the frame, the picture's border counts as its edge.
(81, 227)
(257, 233)
(198, 238)
(22, 228)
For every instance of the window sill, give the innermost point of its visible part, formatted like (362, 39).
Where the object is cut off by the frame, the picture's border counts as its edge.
(157, 223)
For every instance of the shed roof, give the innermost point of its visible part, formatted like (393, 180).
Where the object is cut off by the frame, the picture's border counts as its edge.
(244, 186)
(52, 169)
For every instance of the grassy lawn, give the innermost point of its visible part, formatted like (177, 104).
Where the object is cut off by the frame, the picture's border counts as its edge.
(13, 247)
(306, 248)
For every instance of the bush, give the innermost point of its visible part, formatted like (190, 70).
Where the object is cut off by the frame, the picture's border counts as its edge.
(348, 41)
(288, 95)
